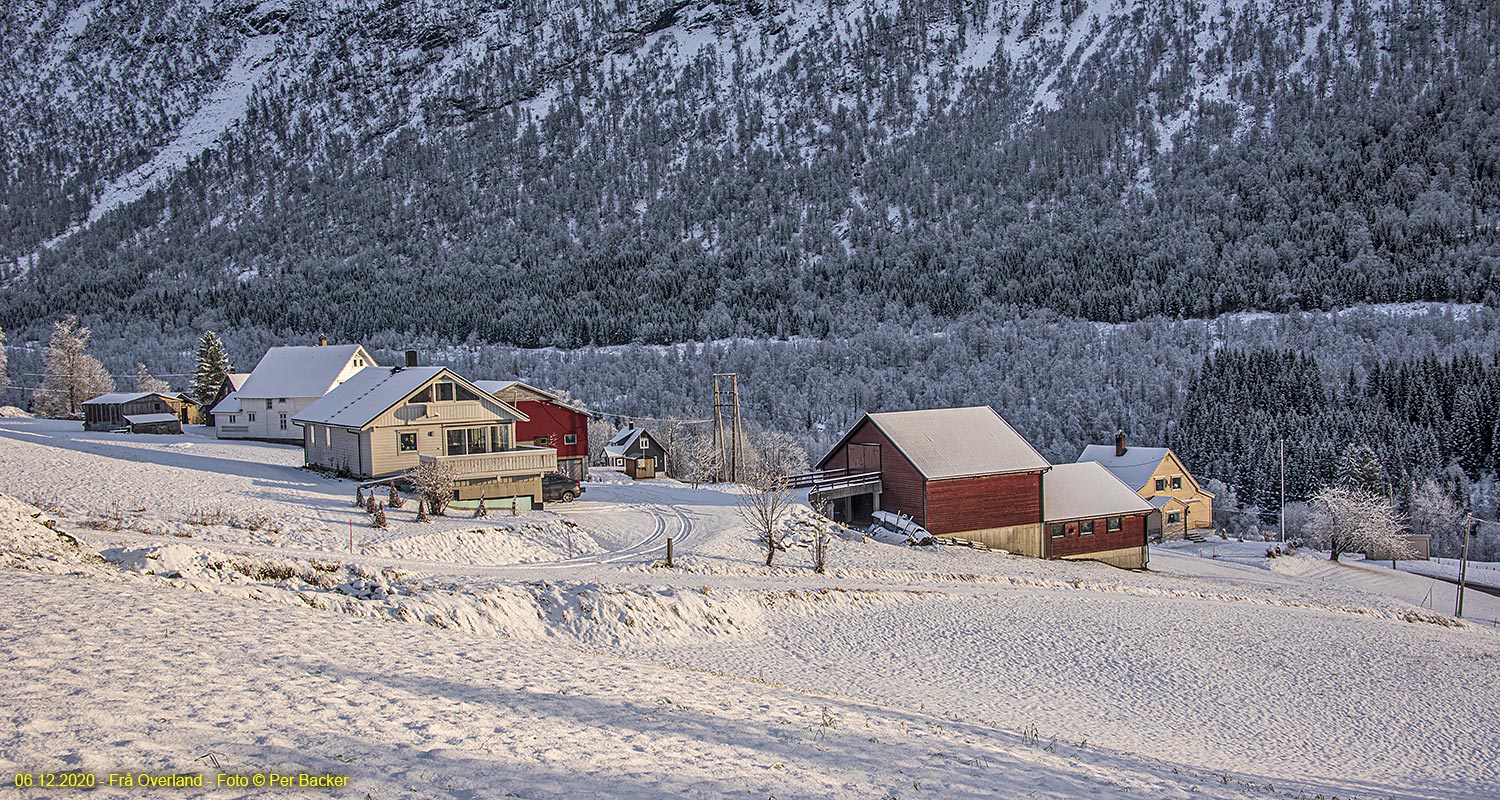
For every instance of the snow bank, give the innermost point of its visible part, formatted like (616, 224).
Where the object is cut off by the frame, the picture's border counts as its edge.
(29, 541)
(522, 541)
(13, 411)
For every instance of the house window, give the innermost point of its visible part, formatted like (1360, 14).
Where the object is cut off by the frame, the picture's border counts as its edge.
(539, 441)
(645, 443)
(570, 438)
(422, 397)
(444, 391)
(1177, 482)
(499, 438)
(283, 420)
(463, 393)
(231, 419)
(252, 416)
(1113, 525)
(1174, 518)
(1161, 484)
(458, 442)
(1058, 530)
(281, 400)
(268, 404)
(409, 442)
(327, 436)
(478, 441)
(471, 441)
(619, 462)
(1086, 527)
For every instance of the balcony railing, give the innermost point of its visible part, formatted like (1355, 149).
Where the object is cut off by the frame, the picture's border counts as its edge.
(525, 460)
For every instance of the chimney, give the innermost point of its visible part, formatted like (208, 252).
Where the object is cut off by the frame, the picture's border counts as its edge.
(322, 340)
(411, 358)
(1120, 443)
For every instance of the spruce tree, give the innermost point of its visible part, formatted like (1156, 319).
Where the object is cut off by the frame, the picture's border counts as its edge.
(146, 382)
(213, 367)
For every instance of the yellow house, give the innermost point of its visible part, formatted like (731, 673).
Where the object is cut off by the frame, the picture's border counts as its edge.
(1158, 475)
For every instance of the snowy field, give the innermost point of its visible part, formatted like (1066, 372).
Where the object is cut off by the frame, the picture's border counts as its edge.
(224, 611)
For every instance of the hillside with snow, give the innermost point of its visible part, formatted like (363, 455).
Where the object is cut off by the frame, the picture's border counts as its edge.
(267, 165)
(491, 657)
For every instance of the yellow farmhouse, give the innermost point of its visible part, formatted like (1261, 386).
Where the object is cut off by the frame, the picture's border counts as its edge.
(1158, 475)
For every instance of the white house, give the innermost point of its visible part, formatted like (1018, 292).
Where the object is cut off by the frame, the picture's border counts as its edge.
(285, 382)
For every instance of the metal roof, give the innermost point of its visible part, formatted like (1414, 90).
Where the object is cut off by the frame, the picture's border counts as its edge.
(309, 371)
(958, 442)
(1134, 468)
(229, 405)
(113, 398)
(1086, 490)
(374, 390)
(147, 419)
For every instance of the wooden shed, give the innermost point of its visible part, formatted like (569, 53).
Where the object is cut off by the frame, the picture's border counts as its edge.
(1090, 514)
(154, 423)
(109, 412)
(640, 467)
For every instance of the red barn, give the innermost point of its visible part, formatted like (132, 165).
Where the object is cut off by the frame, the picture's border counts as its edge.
(552, 423)
(955, 471)
(966, 473)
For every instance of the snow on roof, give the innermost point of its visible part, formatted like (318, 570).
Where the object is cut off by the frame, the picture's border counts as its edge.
(229, 405)
(1134, 468)
(1087, 490)
(367, 395)
(236, 379)
(119, 397)
(622, 441)
(309, 371)
(147, 419)
(958, 442)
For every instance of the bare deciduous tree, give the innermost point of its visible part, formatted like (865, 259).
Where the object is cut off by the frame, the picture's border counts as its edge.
(766, 487)
(434, 484)
(146, 382)
(1350, 520)
(697, 458)
(600, 432)
(73, 375)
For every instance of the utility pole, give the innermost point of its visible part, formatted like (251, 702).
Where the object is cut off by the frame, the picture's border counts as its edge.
(727, 424)
(1463, 567)
(1281, 445)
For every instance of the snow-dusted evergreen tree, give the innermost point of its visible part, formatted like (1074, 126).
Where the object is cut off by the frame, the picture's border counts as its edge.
(1347, 520)
(213, 367)
(145, 382)
(4, 374)
(1360, 470)
(72, 375)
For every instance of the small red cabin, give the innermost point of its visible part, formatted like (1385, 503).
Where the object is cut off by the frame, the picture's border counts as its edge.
(553, 424)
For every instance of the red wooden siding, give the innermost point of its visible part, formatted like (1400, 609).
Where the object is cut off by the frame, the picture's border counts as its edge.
(955, 505)
(1132, 533)
(901, 484)
(553, 422)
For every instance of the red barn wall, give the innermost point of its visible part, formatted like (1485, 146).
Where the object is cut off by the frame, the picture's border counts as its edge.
(553, 421)
(955, 505)
(1132, 533)
(901, 484)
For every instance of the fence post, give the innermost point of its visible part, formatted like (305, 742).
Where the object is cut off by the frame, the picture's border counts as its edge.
(669, 552)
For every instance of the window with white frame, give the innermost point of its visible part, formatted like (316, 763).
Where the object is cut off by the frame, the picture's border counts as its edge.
(1086, 527)
(1174, 518)
(570, 438)
(1177, 482)
(283, 420)
(252, 416)
(1161, 484)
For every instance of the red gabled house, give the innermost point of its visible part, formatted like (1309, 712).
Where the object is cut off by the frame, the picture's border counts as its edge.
(553, 423)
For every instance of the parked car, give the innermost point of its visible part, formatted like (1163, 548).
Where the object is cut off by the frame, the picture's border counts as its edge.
(557, 486)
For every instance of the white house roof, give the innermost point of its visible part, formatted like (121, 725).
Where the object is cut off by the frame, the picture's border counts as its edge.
(373, 391)
(1134, 468)
(119, 397)
(147, 419)
(310, 371)
(623, 441)
(957, 442)
(1086, 490)
(229, 405)
(236, 379)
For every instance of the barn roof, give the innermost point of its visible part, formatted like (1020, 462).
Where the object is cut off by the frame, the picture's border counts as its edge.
(113, 398)
(310, 371)
(1134, 468)
(1086, 490)
(373, 391)
(955, 442)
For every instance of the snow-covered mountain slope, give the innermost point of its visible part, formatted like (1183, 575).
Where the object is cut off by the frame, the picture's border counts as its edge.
(1108, 159)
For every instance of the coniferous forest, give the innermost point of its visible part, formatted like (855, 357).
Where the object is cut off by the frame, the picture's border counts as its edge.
(1048, 206)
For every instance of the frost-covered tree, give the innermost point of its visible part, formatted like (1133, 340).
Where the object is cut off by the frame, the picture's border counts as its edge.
(600, 432)
(1435, 513)
(146, 382)
(697, 458)
(212, 367)
(72, 375)
(434, 484)
(1350, 520)
(766, 490)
